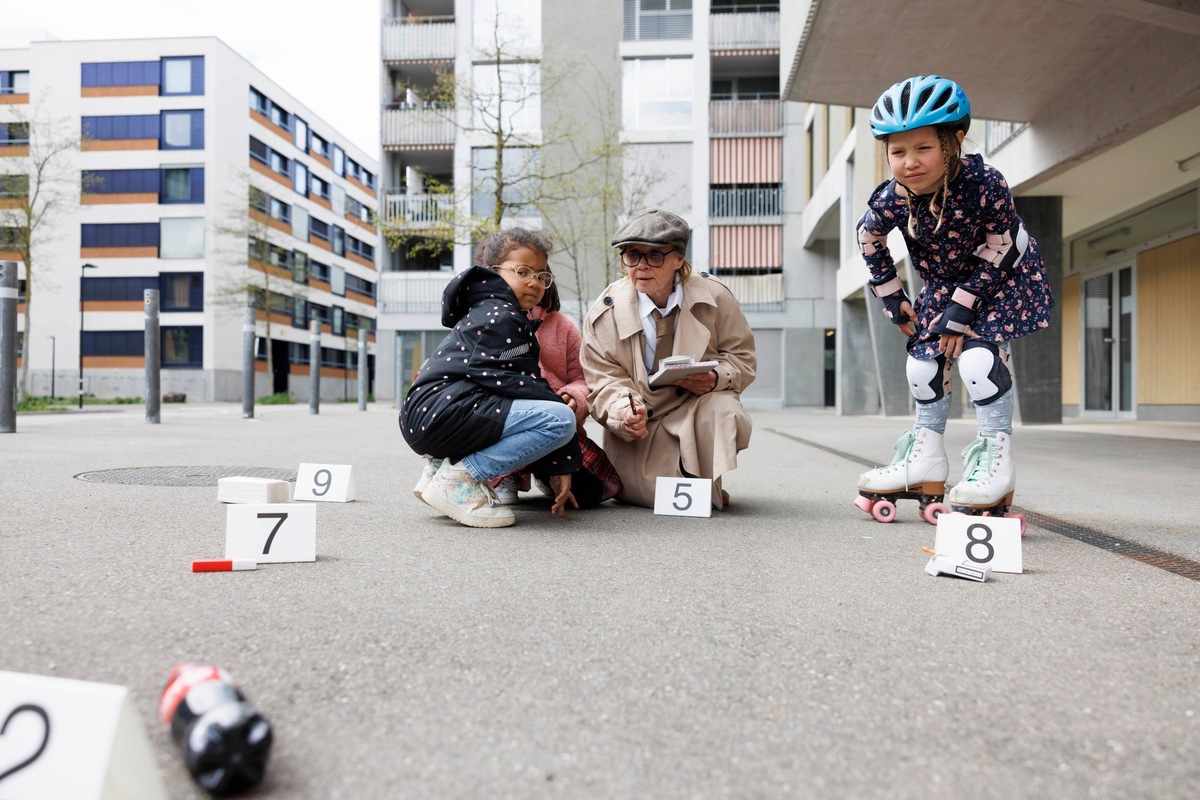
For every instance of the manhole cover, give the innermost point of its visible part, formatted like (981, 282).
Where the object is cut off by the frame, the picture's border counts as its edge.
(181, 476)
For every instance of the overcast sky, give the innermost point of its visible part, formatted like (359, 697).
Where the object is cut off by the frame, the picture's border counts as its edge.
(324, 53)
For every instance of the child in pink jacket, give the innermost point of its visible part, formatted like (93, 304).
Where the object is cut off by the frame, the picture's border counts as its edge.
(559, 339)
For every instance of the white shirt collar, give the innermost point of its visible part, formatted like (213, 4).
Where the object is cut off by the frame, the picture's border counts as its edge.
(646, 305)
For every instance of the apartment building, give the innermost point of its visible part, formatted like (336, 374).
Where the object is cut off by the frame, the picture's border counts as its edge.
(1092, 113)
(689, 93)
(194, 174)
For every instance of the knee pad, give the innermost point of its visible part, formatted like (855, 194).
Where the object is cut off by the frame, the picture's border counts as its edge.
(984, 372)
(929, 381)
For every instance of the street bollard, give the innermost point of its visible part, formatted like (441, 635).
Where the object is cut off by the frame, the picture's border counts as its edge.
(314, 367)
(399, 388)
(362, 369)
(8, 347)
(248, 358)
(153, 359)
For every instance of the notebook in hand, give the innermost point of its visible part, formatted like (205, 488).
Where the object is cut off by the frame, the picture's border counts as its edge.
(676, 367)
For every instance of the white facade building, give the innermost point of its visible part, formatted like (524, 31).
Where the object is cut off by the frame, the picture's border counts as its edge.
(200, 177)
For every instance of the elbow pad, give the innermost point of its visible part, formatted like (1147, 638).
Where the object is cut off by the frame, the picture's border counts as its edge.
(958, 316)
(892, 293)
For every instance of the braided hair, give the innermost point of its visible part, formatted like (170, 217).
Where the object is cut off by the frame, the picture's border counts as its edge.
(952, 164)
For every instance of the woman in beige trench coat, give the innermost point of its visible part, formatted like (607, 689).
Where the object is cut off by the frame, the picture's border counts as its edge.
(697, 426)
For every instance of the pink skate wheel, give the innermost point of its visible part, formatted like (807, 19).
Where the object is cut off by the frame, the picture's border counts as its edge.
(864, 503)
(1020, 517)
(933, 511)
(884, 511)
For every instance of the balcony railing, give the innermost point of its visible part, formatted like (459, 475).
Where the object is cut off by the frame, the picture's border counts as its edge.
(755, 292)
(411, 292)
(744, 30)
(745, 117)
(416, 210)
(745, 202)
(405, 125)
(419, 39)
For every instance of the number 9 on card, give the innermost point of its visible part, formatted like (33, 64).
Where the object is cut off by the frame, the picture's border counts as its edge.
(329, 483)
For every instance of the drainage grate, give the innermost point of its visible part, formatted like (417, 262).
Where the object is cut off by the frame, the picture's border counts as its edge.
(1184, 567)
(181, 476)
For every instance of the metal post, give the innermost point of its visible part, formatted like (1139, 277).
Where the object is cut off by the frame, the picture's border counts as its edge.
(362, 369)
(399, 381)
(153, 359)
(53, 353)
(8, 347)
(82, 267)
(314, 367)
(248, 362)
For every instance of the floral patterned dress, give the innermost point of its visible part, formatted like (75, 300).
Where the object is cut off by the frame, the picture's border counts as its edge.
(1015, 298)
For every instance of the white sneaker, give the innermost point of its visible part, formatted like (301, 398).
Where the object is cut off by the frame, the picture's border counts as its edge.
(455, 492)
(427, 473)
(989, 475)
(919, 465)
(543, 487)
(506, 491)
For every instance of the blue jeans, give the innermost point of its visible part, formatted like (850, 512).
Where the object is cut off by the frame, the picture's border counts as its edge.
(534, 428)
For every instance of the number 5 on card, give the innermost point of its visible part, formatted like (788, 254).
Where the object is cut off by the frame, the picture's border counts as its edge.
(683, 497)
(330, 483)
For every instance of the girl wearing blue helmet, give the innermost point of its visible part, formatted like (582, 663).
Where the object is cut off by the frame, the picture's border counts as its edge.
(984, 285)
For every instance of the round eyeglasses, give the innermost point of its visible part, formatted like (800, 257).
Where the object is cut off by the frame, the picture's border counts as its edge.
(653, 258)
(528, 273)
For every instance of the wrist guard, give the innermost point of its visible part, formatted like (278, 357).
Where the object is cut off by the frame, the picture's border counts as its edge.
(892, 293)
(957, 318)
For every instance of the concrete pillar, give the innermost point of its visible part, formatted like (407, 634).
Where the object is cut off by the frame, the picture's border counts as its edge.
(1037, 359)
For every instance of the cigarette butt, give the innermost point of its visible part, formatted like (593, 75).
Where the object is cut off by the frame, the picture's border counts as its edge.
(929, 550)
(222, 565)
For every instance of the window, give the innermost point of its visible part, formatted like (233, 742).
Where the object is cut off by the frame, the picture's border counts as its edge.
(361, 286)
(272, 207)
(520, 87)
(14, 185)
(182, 237)
(114, 343)
(657, 19)
(318, 187)
(117, 289)
(10, 238)
(357, 210)
(520, 179)
(337, 281)
(300, 223)
(657, 93)
(360, 249)
(182, 185)
(339, 241)
(275, 160)
(318, 271)
(120, 73)
(181, 291)
(182, 346)
(319, 146)
(339, 320)
(301, 134)
(337, 200)
(259, 102)
(182, 130)
(259, 151)
(356, 171)
(339, 161)
(319, 229)
(129, 126)
(281, 117)
(299, 314)
(120, 234)
(183, 76)
(300, 178)
(299, 267)
(14, 82)
(14, 134)
(746, 88)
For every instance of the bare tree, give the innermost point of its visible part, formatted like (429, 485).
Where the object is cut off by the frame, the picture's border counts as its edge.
(255, 243)
(41, 180)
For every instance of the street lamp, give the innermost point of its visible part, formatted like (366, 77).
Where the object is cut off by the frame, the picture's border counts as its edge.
(81, 272)
(53, 349)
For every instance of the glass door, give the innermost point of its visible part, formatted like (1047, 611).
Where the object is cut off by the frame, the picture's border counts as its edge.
(1108, 304)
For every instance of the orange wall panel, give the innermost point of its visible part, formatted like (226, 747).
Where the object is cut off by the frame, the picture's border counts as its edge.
(746, 246)
(128, 197)
(119, 91)
(119, 144)
(118, 252)
(263, 169)
(757, 160)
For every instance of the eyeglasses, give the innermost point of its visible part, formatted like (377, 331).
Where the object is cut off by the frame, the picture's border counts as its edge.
(653, 258)
(528, 273)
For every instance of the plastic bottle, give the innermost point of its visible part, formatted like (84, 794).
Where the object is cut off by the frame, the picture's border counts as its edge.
(225, 741)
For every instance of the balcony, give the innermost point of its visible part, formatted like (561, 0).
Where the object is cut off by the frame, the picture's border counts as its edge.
(420, 39)
(756, 290)
(744, 201)
(746, 29)
(412, 292)
(745, 117)
(416, 211)
(409, 126)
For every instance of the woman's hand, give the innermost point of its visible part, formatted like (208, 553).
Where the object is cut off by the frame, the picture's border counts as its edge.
(635, 422)
(700, 383)
(561, 485)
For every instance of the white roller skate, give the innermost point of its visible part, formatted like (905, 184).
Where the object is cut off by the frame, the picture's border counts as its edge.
(989, 479)
(918, 472)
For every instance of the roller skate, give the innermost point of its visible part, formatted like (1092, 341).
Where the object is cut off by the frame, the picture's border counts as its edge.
(989, 479)
(918, 472)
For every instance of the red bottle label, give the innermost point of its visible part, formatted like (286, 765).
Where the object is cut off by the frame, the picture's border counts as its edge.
(182, 680)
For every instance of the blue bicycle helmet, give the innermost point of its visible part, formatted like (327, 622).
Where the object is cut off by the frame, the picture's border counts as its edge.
(920, 101)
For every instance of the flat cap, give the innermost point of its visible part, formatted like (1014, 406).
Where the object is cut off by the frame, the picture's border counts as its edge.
(654, 227)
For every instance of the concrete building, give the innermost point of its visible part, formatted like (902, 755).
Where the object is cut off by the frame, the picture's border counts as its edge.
(1092, 113)
(683, 98)
(194, 174)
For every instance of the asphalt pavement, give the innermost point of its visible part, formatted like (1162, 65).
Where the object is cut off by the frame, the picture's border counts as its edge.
(787, 647)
